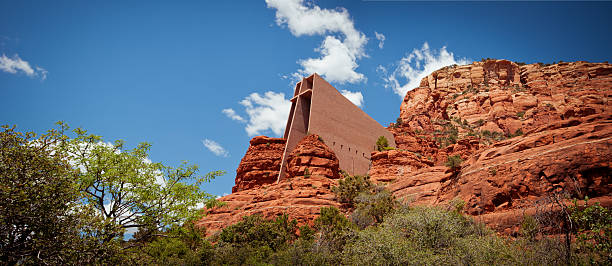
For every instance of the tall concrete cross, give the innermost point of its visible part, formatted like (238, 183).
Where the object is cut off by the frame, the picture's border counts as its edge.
(317, 107)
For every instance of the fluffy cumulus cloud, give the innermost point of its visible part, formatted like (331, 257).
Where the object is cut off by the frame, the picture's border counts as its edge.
(408, 72)
(266, 112)
(381, 39)
(16, 65)
(343, 44)
(354, 96)
(229, 112)
(215, 148)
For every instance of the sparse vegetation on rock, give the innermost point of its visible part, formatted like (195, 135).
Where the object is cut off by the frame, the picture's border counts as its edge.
(382, 143)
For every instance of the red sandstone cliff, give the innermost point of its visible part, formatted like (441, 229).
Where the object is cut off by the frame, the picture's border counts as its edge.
(299, 195)
(260, 164)
(524, 132)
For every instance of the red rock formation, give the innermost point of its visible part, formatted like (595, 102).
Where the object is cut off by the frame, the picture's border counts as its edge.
(571, 156)
(562, 109)
(498, 95)
(396, 163)
(524, 133)
(312, 154)
(300, 196)
(261, 163)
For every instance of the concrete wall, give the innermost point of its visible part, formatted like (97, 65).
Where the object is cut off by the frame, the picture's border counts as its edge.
(317, 107)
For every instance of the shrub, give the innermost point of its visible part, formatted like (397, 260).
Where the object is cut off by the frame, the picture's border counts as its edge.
(457, 204)
(349, 187)
(306, 233)
(428, 236)
(454, 162)
(520, 114)
(382, 143)
(529, 228)
(372, 207)
(493, 171)
(593, 230)
(211, 203)
(432, 227)
(306, 173)
(518, 132)
(450, 134)
(334, 230)
(254, 231)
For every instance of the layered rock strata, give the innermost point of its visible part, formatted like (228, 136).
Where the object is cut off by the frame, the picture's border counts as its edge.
(261, 163)
(524, 133)
(301, 195)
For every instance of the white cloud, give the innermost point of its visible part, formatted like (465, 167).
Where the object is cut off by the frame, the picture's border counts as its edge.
(229, 112)
(215, 147)
(417, 65)
(354, 96)
(381, 39)
(16, 64)
(343, 44)
(267, 112)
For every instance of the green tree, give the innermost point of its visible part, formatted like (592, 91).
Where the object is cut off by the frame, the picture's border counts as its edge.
(69, 201)
(128, 191)
(41, 219)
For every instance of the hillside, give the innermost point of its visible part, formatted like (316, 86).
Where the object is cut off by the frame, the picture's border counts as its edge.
(524, 134)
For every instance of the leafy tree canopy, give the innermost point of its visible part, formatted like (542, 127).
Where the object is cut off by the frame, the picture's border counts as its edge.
(66, 200)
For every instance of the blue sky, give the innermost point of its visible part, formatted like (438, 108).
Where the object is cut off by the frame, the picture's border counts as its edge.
(163, 72)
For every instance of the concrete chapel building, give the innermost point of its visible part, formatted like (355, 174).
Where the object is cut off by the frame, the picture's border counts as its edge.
(317, 107)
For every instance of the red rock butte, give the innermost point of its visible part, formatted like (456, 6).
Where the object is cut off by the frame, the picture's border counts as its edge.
(524, 132)
(318, 108)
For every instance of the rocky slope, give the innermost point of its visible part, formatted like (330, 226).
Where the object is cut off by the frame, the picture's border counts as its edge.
(301, 195)
(260, 164)
(524, 133)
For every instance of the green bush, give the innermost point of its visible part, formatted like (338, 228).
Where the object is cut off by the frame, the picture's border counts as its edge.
(255, 231)
(306, 173)
(211, 203)
(372, 206)
(594, 231)
(454, 162)
(335, 230)
(428, 236)
(529, 228)
(382, 143)
(493, 171)
(350, 186)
